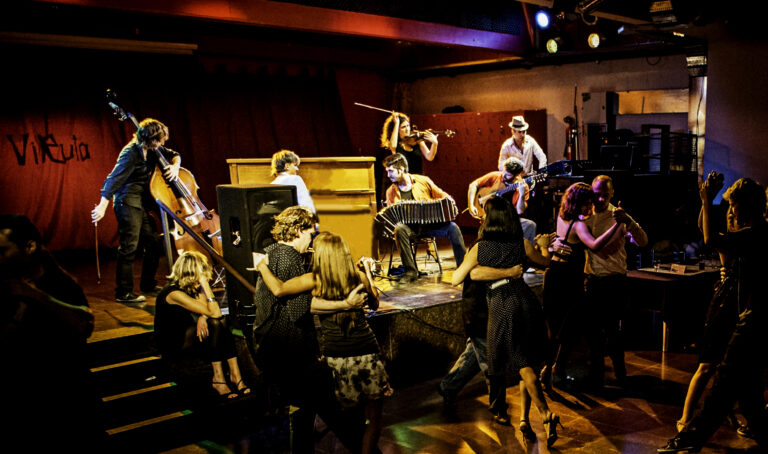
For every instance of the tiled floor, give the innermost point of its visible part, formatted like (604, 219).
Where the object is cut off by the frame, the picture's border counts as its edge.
(634, 419)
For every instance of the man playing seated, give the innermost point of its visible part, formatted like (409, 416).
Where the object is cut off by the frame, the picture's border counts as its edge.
(495, 181)
(406, 186)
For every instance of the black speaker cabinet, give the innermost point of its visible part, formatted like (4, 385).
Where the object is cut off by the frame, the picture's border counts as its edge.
(247, 215)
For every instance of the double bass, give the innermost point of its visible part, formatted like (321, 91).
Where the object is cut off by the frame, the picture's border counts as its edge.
(180, 196)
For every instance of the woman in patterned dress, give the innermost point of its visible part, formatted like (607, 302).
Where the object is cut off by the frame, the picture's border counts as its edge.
(517, 336)
(347, 341)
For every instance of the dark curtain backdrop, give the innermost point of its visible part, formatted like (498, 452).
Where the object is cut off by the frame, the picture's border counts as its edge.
(59, 139)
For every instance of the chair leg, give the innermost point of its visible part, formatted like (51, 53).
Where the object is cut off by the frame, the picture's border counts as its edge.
(391, 253)
(437, 255)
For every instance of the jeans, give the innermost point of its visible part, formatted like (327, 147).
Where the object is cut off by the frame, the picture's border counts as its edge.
(136, 230)
(470, 362)
(404, 233)
(529, 229)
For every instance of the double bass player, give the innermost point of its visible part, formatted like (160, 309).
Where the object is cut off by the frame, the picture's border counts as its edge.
(128, 185)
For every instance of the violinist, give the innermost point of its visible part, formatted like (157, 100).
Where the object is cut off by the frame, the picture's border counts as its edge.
(128, 186)
(397, 137)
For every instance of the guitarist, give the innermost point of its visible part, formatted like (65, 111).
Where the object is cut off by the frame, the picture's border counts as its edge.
(128, 184)
(494, 181)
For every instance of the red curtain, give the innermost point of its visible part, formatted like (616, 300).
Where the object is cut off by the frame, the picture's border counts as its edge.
(60, 139)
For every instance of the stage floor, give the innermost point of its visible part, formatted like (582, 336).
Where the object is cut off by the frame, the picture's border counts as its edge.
(634, 419)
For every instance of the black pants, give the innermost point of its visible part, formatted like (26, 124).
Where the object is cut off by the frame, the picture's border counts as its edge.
(739, 378)
(219, 345)
(606, 301)
(137, 231)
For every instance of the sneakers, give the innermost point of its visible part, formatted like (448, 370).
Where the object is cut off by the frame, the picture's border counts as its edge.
(130, 298)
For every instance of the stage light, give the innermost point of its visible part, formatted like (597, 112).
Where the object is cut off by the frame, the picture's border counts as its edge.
(542, 19)
(594, 40)
(554, 44)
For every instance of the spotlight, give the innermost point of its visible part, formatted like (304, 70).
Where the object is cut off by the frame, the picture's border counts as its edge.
(542, 19)
(554, 44)
(594, 40)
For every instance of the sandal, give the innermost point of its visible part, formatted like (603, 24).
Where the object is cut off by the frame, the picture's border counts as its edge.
(526, 431)
(551, 426)
(245, 390)
(227, 395)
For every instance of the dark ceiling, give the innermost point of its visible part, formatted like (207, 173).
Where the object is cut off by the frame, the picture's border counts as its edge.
(395, 47)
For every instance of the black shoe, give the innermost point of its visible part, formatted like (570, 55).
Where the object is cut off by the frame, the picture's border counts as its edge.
(449, 401)
(501, 417)
(682, 442)
(130, 298)
(152, 292)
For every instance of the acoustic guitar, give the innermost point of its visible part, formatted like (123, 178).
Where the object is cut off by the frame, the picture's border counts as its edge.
(483, 194)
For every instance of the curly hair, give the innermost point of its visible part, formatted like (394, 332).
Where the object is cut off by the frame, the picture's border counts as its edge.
(576, 196)
(149, 130)
(513, 165)
(751, 197)
(292, 221)
(281, 159)
(389, 124)
(187, 271)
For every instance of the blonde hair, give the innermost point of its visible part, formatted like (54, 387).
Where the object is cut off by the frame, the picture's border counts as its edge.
(281, 159)
(332, 267)
(292, 221)
(188, 269)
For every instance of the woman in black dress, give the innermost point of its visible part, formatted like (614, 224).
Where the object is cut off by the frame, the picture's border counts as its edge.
(397, 137)
(517, 336)
(188, 319)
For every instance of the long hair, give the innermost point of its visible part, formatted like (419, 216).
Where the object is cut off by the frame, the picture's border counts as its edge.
(386, 130)
(334, 274)
(188, 269)
(332, 267)
(501, 223)
(281, 159)
(149, 130)
(576, 196)
(292, 221)
(750, 196)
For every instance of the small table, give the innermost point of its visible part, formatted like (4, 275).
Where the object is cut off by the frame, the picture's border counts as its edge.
(671, 290)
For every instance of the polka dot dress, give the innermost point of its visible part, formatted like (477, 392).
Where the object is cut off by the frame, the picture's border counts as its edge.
(517, 335)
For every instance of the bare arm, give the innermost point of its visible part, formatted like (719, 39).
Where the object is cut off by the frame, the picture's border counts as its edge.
(355, 299)
(471, 194)
(204, 303)
(470, 261)
(294, 286)
(395, 132)
(585, 236)
(487, 273)
(78, 319)
(429, 153)
(538, 253)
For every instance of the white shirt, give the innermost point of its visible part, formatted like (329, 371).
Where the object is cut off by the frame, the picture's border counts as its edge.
(302, 193)
(530, 149)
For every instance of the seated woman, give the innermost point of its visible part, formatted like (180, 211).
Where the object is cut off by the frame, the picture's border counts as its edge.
(347, 341)
(188, 320)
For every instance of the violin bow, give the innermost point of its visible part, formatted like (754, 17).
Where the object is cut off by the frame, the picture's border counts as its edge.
(96, 236)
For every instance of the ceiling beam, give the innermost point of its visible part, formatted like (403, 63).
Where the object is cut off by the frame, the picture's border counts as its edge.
(290, 16)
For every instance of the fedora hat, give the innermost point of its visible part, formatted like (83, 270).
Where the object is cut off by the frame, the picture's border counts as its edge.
(518, 123)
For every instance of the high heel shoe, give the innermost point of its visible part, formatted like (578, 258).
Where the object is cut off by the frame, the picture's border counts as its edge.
(526, 431)
(551, 425)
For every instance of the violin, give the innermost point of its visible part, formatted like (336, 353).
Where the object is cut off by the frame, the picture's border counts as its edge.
(418, 136)
(180, 195)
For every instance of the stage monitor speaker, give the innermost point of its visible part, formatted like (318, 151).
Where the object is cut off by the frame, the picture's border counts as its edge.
(247, 216)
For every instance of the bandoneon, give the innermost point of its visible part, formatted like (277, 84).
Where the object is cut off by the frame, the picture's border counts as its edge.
(416, 212)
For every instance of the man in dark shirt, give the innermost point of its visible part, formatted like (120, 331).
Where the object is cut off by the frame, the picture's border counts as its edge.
(128, 185)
